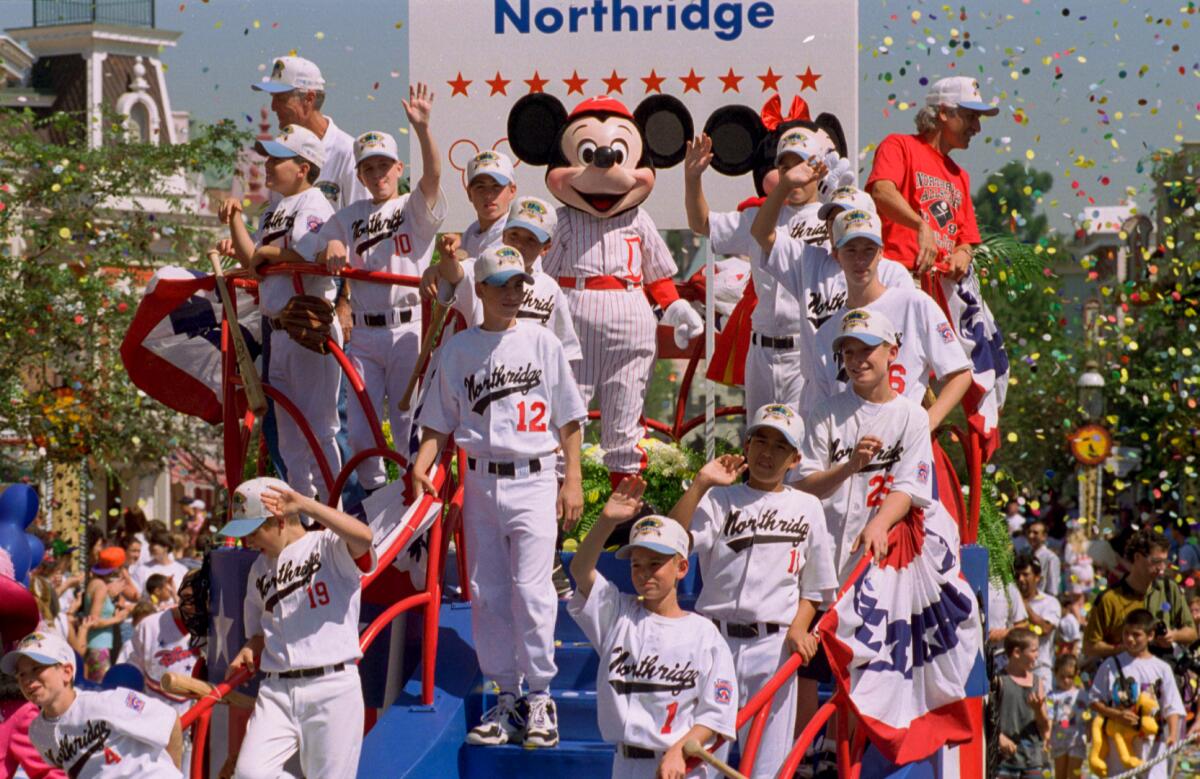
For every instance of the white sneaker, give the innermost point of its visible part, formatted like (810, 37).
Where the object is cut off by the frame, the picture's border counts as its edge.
(500, 724)
(541, 730)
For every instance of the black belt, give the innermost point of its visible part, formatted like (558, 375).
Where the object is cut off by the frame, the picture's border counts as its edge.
(787, 342)
(381, 320)
(505, 469)
(307, 673)
(636, 753)
(735, 630)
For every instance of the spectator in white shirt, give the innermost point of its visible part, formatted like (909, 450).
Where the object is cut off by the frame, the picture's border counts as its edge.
(1035, 534)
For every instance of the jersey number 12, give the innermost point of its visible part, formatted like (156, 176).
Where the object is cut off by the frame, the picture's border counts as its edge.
(531, 421)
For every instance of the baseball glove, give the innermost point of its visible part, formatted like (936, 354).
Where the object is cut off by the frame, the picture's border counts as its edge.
(308, 320)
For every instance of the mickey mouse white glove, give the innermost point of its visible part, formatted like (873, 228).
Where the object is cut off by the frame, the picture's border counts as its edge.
(687, 323)
(841, 174)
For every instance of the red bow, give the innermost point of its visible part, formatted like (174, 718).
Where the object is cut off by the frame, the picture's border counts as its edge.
(772, 118)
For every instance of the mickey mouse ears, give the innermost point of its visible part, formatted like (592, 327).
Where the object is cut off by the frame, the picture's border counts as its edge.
(533, 126)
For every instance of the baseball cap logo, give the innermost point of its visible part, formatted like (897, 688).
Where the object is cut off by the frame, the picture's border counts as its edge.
(856, 319)
(507, 256)
(777, 410)
(370, 139)
(793, 138)
(844, 193)
(650, 526)
(485, 158)
(32, 638)
(532, 208)
(277, 70)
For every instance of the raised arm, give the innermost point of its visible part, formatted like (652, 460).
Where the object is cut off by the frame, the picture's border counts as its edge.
(356, 534)
(723, 471)
(241, 245)
(623, 505)
(418, 107)
(795, 177)
(695, 162)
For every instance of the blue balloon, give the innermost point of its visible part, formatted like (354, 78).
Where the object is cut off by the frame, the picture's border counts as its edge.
(12, 540)
(123, 675)
(18, 505)
(37, 550)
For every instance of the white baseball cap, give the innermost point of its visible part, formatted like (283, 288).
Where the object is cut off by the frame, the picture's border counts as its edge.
(491, 163)
(497, 264)
(857, 223)
(781, 417)
(42, 648)
(288, 73)
(797, 140)
(959, 91)
(870, 327)
(375, 144)
(535, 215)
(849, 198)
(658, 534)
(248, 510)
(294, 141)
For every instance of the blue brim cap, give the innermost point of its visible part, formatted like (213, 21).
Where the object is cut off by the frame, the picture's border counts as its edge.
(982, 108)
(624, 552)
(867, 338)
(240, 528)
(501, 278)
(538, 232)
(274, 87)
(499, 178)
(274, 149)
(9, 664)
(875, 239)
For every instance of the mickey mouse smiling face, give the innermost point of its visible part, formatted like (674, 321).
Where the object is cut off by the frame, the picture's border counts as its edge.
(600, 158)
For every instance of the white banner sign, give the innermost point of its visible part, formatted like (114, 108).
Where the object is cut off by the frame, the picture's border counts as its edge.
(480, 56)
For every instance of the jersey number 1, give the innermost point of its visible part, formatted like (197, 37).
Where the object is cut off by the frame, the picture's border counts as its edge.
(672, 709)
(535, 423)
(318, 595)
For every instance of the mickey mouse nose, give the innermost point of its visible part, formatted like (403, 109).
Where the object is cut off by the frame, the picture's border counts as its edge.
(605, 157)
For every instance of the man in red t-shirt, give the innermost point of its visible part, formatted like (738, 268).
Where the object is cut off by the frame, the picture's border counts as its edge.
(924, 197)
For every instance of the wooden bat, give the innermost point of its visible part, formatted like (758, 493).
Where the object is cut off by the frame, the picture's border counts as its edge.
(250, 379)
(693, 749)
(435, 325)
(189, 687)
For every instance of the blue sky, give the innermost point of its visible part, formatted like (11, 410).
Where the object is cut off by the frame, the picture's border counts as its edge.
(1087, 87)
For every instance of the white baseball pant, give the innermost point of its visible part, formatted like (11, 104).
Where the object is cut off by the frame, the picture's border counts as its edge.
(320, 717)
(773, 376)
(617, 336)
(755, 661)
(384, 357)
(310, 381)
(511, 529)
(647, 768)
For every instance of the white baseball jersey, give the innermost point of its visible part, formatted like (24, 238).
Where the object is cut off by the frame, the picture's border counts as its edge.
(111, 734)
(293, 223)
(503, 395)
(174, 569)
(1151, 675)
(729, 231)
(927, 343)
(161, 644)
(474, 240)
(760, 553)
(305, 603)
(659, 676)
(904, 463)
(627, 245)
(544, 304)
(395, 236)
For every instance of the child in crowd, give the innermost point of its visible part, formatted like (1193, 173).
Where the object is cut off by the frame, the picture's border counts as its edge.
(1024, 722)
(1067, 703)
(650, 716)
(1078, 570)
(505, 391)
(161, 561)
(1123, 678)
(160, 591)
(140, 611)
(766, 560)
(1070, 629)
(111, 733)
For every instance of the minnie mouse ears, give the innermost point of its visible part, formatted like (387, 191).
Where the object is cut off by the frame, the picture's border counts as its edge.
(536, 122)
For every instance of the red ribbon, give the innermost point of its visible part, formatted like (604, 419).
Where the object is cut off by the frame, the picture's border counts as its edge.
(772, 116)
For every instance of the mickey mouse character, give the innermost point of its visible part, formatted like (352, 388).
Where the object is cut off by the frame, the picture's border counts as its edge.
(607, 253)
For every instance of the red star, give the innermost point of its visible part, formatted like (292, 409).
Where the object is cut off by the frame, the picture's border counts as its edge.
(459, 86)
(575, 83)
(499, 85)
(613, 83)
(770, 81)
(731, 81)
(691, 82)
(808, 79)
(653, 82)
(537, 83)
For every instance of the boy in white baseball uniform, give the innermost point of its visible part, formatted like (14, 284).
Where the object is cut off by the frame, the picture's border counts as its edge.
(766, 559)
(666, 675)
(301, 616)
(505, 391)
(92, 735)
(288, 232)
(392, 233)
(773, 364)
(926, 343)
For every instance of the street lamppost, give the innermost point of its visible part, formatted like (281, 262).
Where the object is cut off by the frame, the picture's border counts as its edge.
(1091, 444)
(1091, 391)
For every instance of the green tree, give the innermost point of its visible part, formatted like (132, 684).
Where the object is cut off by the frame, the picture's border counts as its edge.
(1010, 201)
(82, 229)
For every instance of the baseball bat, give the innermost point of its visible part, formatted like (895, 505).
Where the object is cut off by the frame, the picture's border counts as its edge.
(693, 749)
(435, 325)
(189, 687)
(250, 379)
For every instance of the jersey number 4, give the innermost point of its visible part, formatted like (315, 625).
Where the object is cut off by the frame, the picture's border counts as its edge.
(531, 420)
(880, 487)
(318, 595)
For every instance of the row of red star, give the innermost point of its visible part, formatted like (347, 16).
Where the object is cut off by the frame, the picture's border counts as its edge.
(614, 84)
